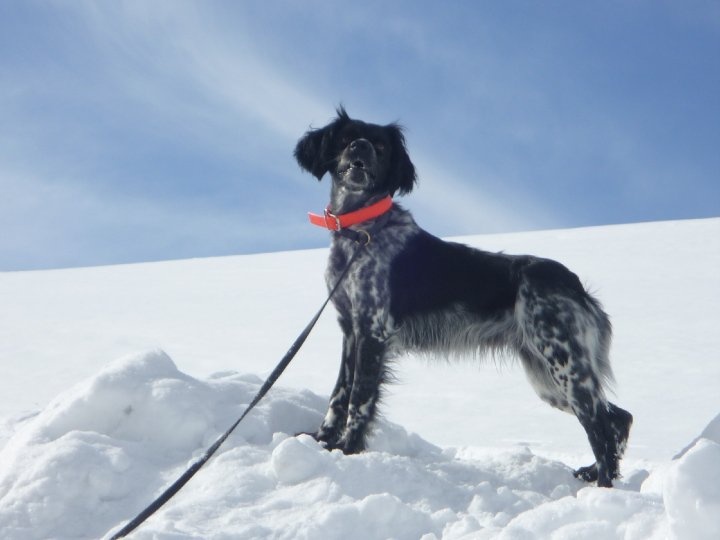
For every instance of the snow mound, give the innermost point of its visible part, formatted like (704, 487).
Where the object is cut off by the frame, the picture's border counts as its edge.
(101, 450)
(691, 492)
(104, 449)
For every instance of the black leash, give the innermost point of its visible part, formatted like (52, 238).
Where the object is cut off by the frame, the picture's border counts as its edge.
(362, 237)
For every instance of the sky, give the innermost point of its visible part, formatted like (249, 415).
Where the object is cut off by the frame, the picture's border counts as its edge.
(142, 131)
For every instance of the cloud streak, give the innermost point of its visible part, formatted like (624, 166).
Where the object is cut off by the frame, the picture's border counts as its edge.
(174, 122)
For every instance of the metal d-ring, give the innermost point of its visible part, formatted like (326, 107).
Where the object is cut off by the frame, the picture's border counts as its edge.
(368, 238)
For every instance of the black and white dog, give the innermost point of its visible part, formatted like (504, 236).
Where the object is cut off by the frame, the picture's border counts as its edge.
(410, 291)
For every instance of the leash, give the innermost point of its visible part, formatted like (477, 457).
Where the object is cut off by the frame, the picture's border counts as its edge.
(362, 238)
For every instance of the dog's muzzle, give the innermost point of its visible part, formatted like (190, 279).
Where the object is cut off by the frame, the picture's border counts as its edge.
(358, 162)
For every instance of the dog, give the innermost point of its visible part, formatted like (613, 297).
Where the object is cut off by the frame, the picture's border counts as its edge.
(408, 291)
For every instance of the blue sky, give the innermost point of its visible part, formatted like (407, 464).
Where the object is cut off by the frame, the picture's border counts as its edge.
(139, 131)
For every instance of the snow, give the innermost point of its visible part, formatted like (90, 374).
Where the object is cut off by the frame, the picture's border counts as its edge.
(691, 492)
(117, 378)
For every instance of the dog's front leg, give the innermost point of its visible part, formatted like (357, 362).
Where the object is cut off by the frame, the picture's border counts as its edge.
(368, 376)
(337, 413)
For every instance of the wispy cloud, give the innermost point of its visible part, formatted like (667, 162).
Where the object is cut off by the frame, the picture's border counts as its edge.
(175, 121)
(63, 221)
(450, 204)
(172, 57)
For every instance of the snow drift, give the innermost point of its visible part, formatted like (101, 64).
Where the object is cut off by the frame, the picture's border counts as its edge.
(102, 450)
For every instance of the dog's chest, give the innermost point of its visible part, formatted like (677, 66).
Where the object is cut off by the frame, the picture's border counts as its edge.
(364, 297)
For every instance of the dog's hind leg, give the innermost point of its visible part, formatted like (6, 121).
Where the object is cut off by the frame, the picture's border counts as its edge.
(617, 424)
(606, 425)
(564, 352)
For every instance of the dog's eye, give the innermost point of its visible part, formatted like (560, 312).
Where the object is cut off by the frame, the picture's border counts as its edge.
(379, 147)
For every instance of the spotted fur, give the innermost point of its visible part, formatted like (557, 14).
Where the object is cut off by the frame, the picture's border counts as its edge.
(409, 291)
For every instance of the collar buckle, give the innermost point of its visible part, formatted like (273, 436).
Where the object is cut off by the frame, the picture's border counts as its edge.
(333, 225)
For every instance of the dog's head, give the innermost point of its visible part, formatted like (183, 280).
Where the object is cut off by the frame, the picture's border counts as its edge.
(364, 160)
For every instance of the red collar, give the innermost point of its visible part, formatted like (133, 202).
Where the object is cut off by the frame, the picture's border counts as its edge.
(336, 223)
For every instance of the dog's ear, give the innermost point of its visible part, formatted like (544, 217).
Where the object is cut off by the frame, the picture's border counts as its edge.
(402, 170)
(311, 151)
(314, 151)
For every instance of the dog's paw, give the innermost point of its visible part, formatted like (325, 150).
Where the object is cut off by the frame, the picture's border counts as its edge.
(322, 437)
(333, 441)
(587, 474)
